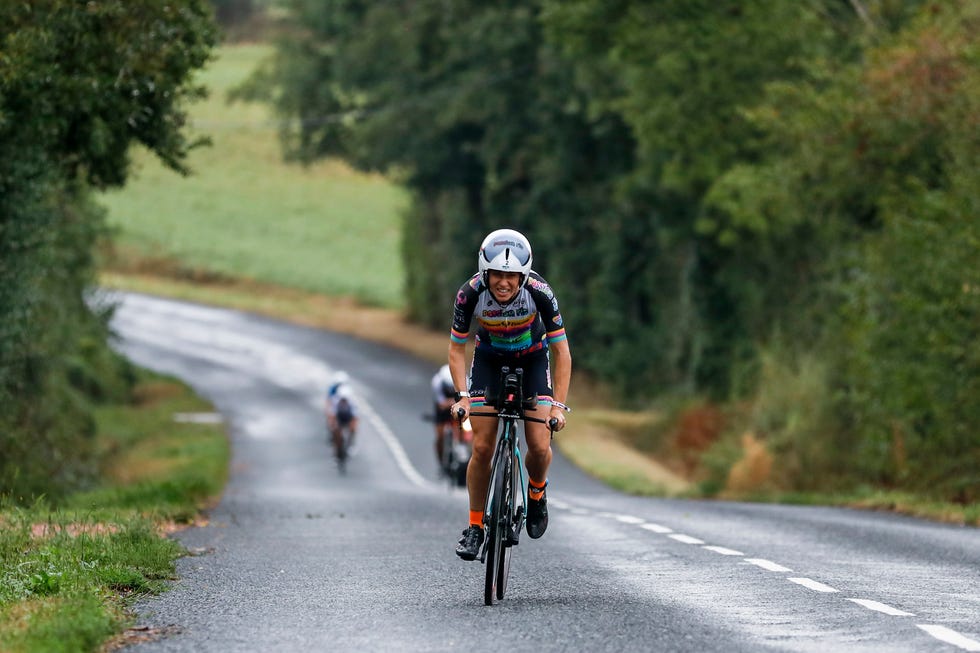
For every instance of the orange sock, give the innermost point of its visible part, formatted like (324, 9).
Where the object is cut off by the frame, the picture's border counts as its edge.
(476, 518)
(535, 490)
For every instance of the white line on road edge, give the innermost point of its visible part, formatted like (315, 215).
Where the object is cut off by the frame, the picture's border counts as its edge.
(401, 458)
(629, 519)
(812, 584)
(686, 539)
(723, 551)
(767, 565)
(951, 637)
(657, 528)
(881, 607)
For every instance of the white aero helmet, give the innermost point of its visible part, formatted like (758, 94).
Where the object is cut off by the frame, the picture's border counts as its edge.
(505, 250)
(339, 378)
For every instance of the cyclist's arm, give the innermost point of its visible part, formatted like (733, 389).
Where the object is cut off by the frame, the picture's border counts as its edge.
(562, 378)
(466, 300)
(457, 366)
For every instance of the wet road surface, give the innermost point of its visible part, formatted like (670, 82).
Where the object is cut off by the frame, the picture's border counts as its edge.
(299, 557)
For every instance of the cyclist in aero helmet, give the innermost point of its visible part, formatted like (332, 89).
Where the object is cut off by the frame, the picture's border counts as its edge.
(518, 324)
(444, 396)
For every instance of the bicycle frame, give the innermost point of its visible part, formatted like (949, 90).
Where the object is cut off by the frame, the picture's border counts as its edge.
(507, 440)
(504, 523)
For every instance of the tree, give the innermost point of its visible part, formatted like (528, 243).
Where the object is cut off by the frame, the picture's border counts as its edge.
(79, 84)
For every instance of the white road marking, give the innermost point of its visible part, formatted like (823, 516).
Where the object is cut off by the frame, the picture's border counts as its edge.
(766, 564)
(657, 528)
(558, 503)
(812, 584)
(881, 607)
(198, 418)
(951, 637)
(395, 447)
(686, 539)
(629, 519)
(723, 551)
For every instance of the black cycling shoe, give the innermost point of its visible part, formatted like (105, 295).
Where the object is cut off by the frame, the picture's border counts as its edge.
(537, 517)
(469, 544)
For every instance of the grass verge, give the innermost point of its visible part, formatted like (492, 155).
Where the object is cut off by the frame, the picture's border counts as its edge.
(69, 572)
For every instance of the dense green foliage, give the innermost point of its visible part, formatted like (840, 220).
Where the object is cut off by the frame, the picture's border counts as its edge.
(749, 200)
(79, 83)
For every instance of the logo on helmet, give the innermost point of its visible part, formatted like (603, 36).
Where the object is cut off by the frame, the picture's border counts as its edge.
(509, 243)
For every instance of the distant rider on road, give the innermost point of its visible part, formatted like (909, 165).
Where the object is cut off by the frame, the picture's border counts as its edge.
(443, 397)
(341, 409)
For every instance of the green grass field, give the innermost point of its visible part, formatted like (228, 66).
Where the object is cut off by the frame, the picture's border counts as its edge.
(246, 213)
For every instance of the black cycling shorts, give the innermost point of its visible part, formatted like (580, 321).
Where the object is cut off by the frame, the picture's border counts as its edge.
(485, 375)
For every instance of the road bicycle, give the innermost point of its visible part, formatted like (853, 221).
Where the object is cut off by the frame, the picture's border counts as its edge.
(341, 442)
(505, 508)
(455, 456)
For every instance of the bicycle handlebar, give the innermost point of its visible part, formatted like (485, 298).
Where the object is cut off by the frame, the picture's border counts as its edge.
(550, 423)
(510, 399)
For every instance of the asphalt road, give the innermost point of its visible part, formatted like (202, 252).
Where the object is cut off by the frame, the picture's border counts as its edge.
(298, 557)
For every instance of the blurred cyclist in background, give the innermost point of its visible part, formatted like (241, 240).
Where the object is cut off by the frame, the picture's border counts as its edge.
(341, 409)
(443, 397)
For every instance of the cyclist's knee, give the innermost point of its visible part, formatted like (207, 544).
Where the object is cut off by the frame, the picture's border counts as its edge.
(538, 442)
(482, 451)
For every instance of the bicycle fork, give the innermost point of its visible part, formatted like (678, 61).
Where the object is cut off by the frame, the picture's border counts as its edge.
(517, 525)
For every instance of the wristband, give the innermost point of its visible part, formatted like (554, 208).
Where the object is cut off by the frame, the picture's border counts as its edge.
(558, 404)
(460, 395)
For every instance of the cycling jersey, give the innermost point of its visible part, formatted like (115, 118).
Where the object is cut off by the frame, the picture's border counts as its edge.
(344, 410)
(526, 324)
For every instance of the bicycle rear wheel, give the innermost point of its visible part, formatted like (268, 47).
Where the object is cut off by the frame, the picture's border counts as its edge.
(341, 452)
(498, 556)
(447, 462)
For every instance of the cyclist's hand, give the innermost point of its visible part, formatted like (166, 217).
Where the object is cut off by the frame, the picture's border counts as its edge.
(558, 415)
(462, 405)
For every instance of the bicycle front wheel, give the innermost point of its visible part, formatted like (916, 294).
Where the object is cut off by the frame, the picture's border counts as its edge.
(508, 479)
(498, 555)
